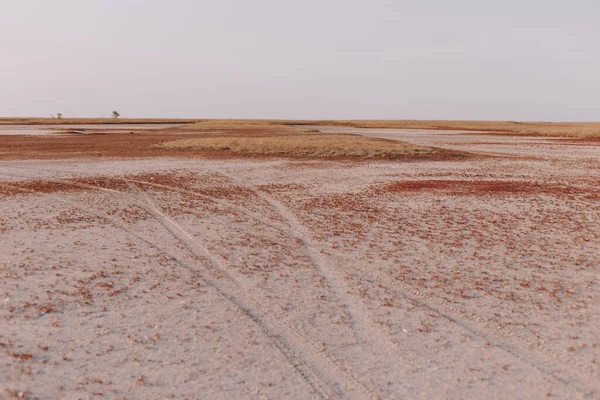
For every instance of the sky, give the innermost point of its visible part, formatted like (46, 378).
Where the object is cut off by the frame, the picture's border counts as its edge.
(312, 59)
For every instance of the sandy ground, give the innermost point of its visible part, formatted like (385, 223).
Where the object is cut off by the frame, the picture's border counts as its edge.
(194, 278)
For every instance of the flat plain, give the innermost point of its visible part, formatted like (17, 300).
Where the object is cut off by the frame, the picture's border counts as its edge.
(256, 259)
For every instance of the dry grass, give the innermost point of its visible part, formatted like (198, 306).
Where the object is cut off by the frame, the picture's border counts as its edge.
(555, 129)
(305, 145)
(558, 129)
(246, 128)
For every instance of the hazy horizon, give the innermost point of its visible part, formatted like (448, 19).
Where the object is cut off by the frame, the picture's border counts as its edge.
(463, 60)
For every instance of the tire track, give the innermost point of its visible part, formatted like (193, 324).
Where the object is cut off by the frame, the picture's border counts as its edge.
(334, 279)
(549, 363)
(219, 270)
(518, 347)
(222, 202)
(552, 364)
(357, 310)
(322, 385)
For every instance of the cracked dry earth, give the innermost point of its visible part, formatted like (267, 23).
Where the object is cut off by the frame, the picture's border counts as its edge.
(191, 278)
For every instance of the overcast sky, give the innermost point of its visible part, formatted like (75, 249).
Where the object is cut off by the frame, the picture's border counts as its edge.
(322, 59)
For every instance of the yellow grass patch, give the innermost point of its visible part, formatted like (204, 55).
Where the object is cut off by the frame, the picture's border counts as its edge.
(558, 129)
(306, 145)
(245, 128)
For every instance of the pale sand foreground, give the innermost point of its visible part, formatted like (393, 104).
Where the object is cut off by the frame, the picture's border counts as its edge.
(171, 278)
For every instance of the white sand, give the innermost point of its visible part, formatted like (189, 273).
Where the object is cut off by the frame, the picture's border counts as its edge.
(291, 279)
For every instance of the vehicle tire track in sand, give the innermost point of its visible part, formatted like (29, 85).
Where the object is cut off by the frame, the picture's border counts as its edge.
(223, 203)
(508, 341)
(472, 323)
(219, 270)
(549, 363)
(356, 310)
(322, 386)
(373, 334)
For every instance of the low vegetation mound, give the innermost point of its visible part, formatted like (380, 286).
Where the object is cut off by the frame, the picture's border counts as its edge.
(306, 145)
(215, 139)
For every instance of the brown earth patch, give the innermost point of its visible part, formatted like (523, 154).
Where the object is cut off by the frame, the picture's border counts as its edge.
(149, 144)
(37, 185)
(350, 203)
(115, 145)
(163, 182)
(347, 202)
(9, 188)
(226, 192)
(165, 179)
(482, 187)
(213, 186)
(280, 188)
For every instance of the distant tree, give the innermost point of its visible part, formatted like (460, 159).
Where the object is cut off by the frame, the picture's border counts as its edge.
(116, 114)
(59, 115)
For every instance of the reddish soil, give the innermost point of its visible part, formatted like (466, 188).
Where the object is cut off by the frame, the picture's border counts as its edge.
(122, 145)
(144, 144)
(482, 187)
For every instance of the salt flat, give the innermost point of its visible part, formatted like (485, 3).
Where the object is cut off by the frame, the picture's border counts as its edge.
(40, 129)
(280, 278)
